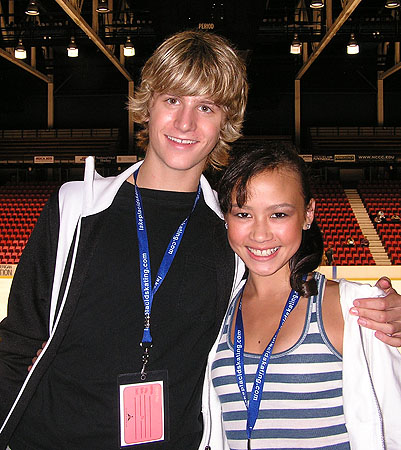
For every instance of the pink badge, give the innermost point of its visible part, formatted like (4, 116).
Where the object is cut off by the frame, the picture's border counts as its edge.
(142, 413)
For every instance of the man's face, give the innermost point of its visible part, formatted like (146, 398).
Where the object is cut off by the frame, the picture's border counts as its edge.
(183, 130)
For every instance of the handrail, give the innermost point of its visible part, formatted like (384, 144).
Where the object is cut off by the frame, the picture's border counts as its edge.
(64, 133)
(354, 131)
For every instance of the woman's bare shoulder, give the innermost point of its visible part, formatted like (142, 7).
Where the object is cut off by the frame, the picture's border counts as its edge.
(332, 315)
(332, 290)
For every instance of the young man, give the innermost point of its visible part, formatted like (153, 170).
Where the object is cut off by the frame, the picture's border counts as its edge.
(78, 285)
(103, 247)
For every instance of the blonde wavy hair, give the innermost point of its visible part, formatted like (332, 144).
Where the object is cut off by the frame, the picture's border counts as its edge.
(195, 63)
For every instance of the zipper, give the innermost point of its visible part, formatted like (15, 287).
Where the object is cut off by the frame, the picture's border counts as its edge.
(379, 414)
(237, 286)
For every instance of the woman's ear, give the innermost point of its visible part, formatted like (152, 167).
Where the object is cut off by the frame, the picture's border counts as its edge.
(310, 214)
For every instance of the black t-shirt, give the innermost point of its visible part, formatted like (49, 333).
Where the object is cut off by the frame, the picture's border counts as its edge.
(76, 404)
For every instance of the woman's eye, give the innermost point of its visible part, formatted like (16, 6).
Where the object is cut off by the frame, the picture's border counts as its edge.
(242, 215)
(279, 215)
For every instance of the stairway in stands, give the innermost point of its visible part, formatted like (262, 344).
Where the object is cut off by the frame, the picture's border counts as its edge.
(375, 245)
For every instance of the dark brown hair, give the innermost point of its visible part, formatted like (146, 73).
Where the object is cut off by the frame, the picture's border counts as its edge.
(276, 155)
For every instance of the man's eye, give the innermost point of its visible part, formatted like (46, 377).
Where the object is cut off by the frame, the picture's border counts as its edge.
(205, 108)
(172, 101)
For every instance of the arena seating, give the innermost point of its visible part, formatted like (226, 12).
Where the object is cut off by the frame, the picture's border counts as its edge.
(385, 195)
(337, 222)
(20, 207)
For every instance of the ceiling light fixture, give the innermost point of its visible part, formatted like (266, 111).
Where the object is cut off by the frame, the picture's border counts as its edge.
(102, 6)
(392, 4)
(129, 49)
(19, 51)
(72, 49)
(32, 8)
(315, 4)
(352, 47)
(296, 45)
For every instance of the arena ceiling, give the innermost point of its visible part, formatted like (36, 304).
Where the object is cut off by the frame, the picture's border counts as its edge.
(262, 30)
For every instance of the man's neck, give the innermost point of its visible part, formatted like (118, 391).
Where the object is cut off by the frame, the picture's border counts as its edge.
(152, 177)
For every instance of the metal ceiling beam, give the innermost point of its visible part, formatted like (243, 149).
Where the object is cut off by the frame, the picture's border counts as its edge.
(348, 9)
(75, 15)
(4, 31)
(25, 66)
(390, 71)
(338, 23)
(381, 76)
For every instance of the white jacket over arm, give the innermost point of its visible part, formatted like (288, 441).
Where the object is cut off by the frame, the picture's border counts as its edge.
(371, 380)
(371, 385)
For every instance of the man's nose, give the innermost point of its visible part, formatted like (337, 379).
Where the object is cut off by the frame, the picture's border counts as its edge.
(185, 119)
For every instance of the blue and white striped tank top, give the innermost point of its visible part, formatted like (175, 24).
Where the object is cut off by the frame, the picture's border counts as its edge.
(302, 405)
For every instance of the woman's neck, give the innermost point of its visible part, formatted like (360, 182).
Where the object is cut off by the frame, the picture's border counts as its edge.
(269, 288)
(263, 303)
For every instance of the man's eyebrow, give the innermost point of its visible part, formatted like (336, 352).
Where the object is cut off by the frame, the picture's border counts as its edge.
(207, 101)
(170, 94)
(210, 102)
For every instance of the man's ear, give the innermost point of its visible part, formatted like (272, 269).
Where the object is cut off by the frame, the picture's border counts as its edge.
(149, 106)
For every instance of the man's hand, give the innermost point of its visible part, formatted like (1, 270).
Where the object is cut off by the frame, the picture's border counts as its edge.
(382, 314)
(36, 357)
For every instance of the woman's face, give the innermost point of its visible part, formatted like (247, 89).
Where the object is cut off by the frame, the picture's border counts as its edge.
(267, 230)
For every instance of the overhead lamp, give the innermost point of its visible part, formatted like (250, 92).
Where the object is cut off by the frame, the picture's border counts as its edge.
(32, 8)
(129, 49)
(392, 4)
(72, 49)
(352, 47)
(315, 4)
(296, 45)
(19, 51)
(102, 6)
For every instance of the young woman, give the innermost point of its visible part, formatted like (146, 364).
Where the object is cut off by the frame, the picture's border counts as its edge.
(292, 369)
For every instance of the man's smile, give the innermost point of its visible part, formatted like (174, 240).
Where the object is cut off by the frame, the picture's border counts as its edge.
(181, 141)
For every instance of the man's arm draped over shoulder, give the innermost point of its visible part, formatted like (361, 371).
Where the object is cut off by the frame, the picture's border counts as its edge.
(382, 314)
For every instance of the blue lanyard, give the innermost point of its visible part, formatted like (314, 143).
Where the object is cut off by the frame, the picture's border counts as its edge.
(253, 404)
(144, 259)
